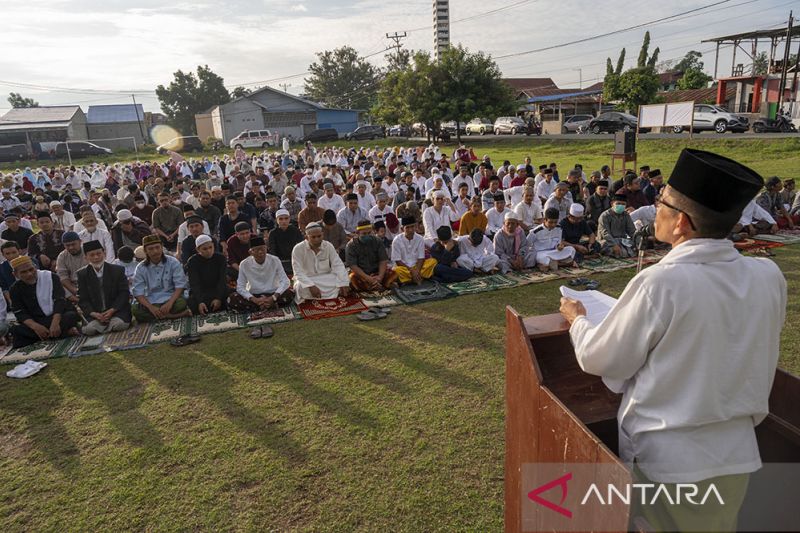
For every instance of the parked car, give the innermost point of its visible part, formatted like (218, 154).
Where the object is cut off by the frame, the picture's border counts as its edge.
(512, 125)
(452, 128)
(398, 130)
(716, 118)
(255, 139)
(322, 135)
(613, 121)
(573, 122)
(363, 133)
(80, 148)
(13, 152)
(189, 143)
(479, 125)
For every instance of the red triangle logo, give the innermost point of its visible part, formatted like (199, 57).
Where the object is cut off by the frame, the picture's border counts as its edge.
(560, 482)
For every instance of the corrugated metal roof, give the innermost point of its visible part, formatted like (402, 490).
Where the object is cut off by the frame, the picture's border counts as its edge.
(10, 126)
(104, 114)
(31, 115)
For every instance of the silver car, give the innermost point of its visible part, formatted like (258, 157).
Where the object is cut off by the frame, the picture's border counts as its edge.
(512, 125)
(573, 122)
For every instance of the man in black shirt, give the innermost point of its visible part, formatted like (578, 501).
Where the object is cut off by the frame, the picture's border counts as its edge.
(574, 228)
(208, 287)
(368, 261)
(208, 212)
(283, 239)
(17, 233)
(228, 221)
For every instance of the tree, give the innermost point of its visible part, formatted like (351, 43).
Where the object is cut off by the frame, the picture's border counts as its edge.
(342, 78)
(694, 79)
(240, 92)
(17, 100)
(400, 59)
(643, 60)
(611, 81)
(691, 61)
(761, 64)
(459, 87)
(638, 86)
(188, 95)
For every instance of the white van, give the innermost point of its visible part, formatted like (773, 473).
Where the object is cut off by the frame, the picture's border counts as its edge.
(255, 139)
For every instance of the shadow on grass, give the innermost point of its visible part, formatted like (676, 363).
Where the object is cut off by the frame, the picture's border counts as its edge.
(193, 374)
(278, 366)
(37, 403)
(122, 394)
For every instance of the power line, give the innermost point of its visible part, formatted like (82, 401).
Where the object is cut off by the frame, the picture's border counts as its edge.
(615, 32)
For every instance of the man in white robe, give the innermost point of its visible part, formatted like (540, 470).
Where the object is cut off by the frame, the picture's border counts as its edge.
(319, 273)
(546, 241)
(696, 369)
(477, 252)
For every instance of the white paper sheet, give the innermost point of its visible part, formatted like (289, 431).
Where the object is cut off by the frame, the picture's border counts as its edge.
(597, 304)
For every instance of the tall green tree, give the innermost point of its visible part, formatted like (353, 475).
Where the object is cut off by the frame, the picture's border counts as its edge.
(761, 64)
(636, 86)
(189, 94)
(460, 86)
(17, 100)
(645, 60)
(240, 92)
(342, 78)
(611, 81)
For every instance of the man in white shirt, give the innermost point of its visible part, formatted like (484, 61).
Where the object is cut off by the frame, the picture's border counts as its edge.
(463, 177)
(319, 272)
(696, 370)
(330, 200)
(365, 199)
(514, 194)
(529, 210)
(92, 232)
(408, 254)
(755, 219)
(559, 200)
(547, 186)
(262, 283)
(477, 252)
(441, 214)
(496, 215)
(62, 219)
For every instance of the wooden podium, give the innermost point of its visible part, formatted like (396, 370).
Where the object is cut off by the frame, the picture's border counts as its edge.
(556, 413)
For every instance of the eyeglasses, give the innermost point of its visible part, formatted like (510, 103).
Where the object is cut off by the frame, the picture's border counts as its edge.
(660, 201)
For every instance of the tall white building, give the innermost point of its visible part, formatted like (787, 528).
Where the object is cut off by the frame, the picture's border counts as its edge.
(441, 27)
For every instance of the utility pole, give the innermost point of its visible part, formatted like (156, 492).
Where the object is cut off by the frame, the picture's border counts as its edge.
(785, 65)
(285, 86)
(138, 119)
(580, 77)
(396, 37)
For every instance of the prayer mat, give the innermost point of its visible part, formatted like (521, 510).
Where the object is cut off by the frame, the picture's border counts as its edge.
(133, 337)
(273, 316)
(607, 264)
(39, 351)
(526, 277)
(427, 292)
(376, 299)
(783, 236)
(570, 272)
(482, 284)
(317, 309)
(746, 245)
(217, 322)
(167, 330)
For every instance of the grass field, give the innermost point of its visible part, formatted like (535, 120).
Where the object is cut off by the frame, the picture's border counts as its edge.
(332, 425)
(767, 156)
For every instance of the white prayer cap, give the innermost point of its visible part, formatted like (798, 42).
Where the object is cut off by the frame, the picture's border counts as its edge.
(440, 194)
(313, 226)
(511, 215)
(54, 203)
(520, 167)
(216, 188)
(124, 214)
(435, 171)
(361, 183)
(281, 213)
(201, 240)
(576, 210)
(288, 189)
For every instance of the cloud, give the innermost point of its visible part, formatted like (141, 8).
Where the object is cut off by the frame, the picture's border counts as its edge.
(298, 8)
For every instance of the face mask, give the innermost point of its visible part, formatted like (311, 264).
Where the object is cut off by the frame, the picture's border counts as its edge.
(140, 205)
(619, 209)
(177, 201)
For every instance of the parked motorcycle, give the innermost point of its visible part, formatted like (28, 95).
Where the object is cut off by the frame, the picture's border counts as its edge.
(782, 123)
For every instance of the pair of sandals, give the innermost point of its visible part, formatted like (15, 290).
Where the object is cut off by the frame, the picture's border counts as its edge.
(261, 332)
(185, 340)
(374, 313)
(587, 283)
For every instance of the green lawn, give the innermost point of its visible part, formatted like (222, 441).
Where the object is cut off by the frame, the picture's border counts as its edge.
(332, 425)
(767, 156)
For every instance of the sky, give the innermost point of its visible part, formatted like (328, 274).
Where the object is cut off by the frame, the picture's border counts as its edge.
(90, 52)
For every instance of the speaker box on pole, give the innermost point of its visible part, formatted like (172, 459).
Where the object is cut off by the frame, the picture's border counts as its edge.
(624, 142)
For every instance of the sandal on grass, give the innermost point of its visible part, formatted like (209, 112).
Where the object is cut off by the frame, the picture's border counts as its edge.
(255, 333)
(184, 340)
(370, 315)
(592, 285)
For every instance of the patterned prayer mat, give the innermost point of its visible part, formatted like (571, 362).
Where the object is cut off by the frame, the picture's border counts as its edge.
(607, 264)
(317, 309)
(167, 330)
(273, 316)
(39, 351)
(133, 337)
(746, 245)
(427, 292)
(526, 277)
(482, 284)
(783, 236)
(379, 299)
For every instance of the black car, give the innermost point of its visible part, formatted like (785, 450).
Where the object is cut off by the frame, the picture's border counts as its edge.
(190, 143)
(363, 133)
(80, 148)
(322, 135)
(13, 152)
(613, 121)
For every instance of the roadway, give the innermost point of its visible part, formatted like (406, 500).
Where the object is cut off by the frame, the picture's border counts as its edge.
(477, 139)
